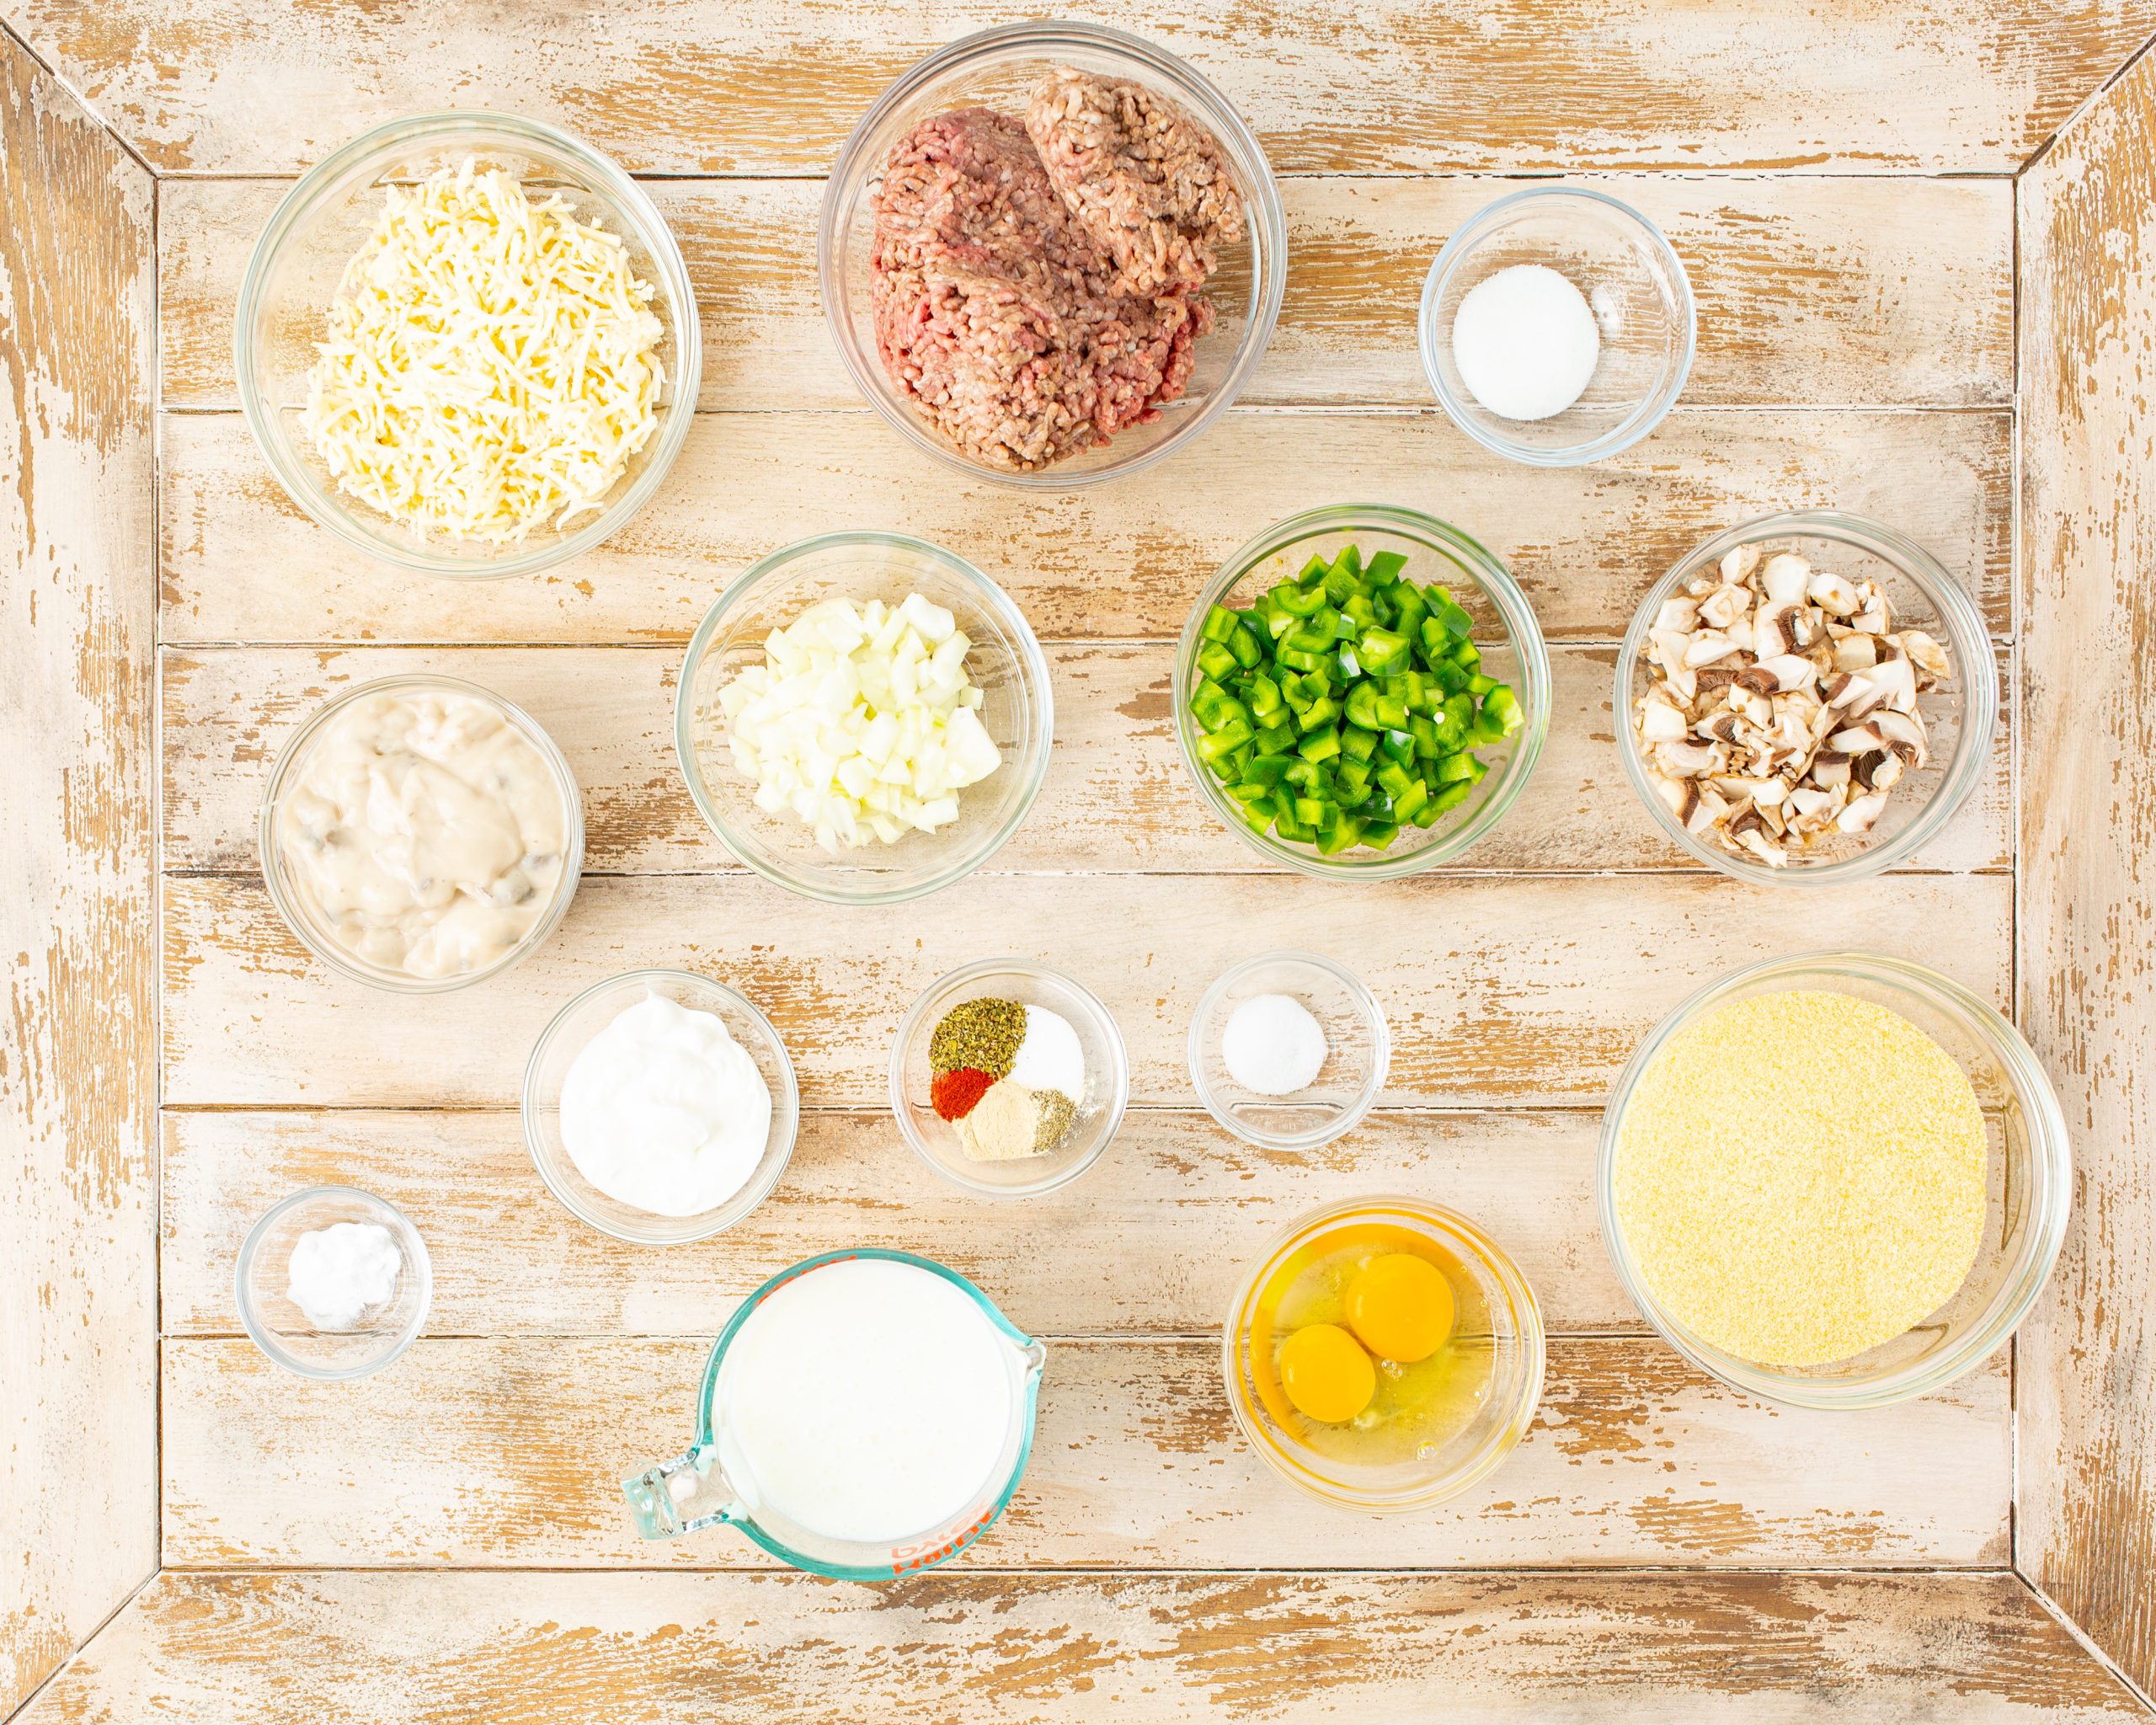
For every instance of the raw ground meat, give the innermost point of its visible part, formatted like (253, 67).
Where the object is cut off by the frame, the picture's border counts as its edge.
(1144, 179)
(998, 313)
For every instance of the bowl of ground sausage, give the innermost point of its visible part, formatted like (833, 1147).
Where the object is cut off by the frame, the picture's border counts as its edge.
(1051, 253)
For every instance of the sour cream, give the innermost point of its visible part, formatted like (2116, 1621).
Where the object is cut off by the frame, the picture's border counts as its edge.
(664, 1111)
(869, 1400)
(338, 1272)
(423, 832)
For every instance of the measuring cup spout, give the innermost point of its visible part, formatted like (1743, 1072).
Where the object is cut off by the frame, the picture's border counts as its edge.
(680, 1496)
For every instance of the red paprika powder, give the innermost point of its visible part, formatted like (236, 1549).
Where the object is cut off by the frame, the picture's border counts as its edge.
(953, 1094)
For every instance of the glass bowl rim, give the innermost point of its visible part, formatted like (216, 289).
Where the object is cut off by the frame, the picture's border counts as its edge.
(786, 1102)
(572, 850)
(299, 205)
(415, 1254)
(1365, 1098)
(1970, 641)
(763, 574)
(909, 1027)
(1530, 1335)
(1522, 636)
(2051, 1182)
(1265, 213)
(1461, 244)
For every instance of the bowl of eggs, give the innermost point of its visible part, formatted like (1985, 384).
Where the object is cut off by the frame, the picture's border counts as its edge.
(1384, 1354)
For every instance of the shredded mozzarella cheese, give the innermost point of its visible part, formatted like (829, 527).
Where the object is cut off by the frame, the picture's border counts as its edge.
(490, 361)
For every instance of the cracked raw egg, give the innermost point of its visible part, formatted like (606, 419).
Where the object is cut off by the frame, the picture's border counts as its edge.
(1326, 1374)
(1399, 1308)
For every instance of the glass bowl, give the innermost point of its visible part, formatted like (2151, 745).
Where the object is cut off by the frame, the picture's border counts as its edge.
(1505, 631)
(563, 1039)
(1633, 281)
(274, 1323)
(293, 906)
(1358, 1050)
(2029, 1180)
(1960, 713)
(293, 276)
(1004, 663)
(998, 67)
(1100, 1110)
(1496, 1309)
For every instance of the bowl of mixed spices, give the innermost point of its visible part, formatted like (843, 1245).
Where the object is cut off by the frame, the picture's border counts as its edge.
(1838, 1180)
(1008, 1079)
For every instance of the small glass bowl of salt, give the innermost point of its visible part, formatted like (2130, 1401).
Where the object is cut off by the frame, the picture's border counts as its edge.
(1557, 326)
(1288, 1050)
(334, 1282)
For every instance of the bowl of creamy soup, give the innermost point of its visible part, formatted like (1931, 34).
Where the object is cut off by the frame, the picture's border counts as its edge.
(420, 833)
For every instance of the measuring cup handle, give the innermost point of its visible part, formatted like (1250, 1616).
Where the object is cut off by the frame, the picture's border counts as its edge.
(680, 1496)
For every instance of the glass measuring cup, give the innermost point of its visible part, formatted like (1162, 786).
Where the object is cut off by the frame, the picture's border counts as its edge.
(692, 1492)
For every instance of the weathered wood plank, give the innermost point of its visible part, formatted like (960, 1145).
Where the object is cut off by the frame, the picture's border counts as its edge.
(1118, 798)
(1499, 990)
(562, 1649)
(1875, 293)
(496, 1451)
(240, 562)
(77, 1280)
(709, 86)
(2087, 1532)
(1156, 1246)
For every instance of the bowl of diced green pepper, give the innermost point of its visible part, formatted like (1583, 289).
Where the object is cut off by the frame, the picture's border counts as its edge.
(1361, 690)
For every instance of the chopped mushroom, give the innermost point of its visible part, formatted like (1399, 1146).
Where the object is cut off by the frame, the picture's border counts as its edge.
(1783, 704)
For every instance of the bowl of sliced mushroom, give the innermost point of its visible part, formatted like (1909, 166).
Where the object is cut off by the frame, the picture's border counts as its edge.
(1806, 698)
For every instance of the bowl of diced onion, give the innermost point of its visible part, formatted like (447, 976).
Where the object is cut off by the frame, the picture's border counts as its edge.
(863, 717)
(470, 467)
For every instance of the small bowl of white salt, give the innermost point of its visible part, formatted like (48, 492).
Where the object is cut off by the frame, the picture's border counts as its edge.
(1288, 1050)
(1557, 326)
(334, 1282)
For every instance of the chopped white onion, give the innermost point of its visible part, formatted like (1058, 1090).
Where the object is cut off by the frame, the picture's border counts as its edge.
(862, 721)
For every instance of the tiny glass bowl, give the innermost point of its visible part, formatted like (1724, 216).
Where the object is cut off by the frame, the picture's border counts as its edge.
(1960, 713)
(935, 1140)
(1358, 1051)
(261, 1279)
(295, 907)
(293, 276)
(564, 1038)
(1505, 632)
(1004, 663)
(998, 68)
(2029, 1185)
(1633, 282)
(1498, 1311)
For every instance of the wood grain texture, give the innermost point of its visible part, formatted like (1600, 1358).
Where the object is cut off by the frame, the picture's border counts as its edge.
(510, 1451)
(2088, 801)
(240, 562)
(1510, 989)
(1155, 1241)
(78, 1199)
(1875, 293)
(721, 86)
(566, 1649)
(1117, 797)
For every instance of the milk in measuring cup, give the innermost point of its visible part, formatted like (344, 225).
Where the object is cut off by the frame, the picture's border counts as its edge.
(866, 1400)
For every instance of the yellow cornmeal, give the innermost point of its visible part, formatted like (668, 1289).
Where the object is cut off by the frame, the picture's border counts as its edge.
(1801, 1176)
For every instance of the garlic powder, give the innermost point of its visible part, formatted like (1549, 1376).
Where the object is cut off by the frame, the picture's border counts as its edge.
(489, 364)
(1800, 1177)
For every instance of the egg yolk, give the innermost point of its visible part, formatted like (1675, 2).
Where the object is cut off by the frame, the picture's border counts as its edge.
(1326, 1373)
(1401, 1307)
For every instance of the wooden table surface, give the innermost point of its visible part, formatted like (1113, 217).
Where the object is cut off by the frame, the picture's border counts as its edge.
(446, 1540)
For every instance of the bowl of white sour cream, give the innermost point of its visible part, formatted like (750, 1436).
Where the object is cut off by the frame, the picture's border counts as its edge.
(660, 1107)
(420, 834)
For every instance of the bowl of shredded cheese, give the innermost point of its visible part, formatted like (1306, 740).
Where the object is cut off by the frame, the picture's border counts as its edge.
(1834, 1181)
(467, 344)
